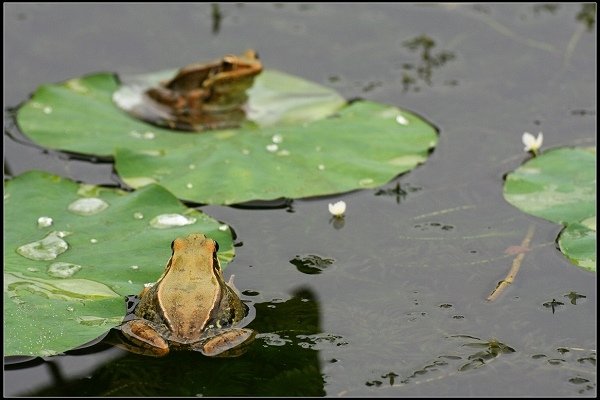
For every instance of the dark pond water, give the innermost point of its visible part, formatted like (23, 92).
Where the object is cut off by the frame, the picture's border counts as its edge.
(399, 309)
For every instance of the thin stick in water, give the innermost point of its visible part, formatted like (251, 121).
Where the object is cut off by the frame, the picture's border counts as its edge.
(516, 265)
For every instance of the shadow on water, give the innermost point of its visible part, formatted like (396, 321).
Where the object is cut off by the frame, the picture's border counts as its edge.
(281, 362)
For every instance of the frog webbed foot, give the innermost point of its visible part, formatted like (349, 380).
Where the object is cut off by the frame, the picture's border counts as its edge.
(231, 342)
(139, 336)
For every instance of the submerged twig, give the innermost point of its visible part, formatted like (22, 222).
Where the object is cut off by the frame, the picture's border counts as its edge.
(506, 31)
(516, 265)
(572, 44)
(445, 211)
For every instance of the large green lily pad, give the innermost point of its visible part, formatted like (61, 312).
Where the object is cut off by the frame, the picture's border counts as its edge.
(69, 287)
(302, 140)
(327, 156)
(560, 186)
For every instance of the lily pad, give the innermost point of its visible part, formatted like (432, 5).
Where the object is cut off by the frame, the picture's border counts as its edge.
(363, 146)
(302, 140)
(578, 242)
(560, 186)
(80, 116)
(66, 273)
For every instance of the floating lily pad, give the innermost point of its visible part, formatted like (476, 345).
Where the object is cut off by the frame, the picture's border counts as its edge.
(80, 115)
(363, 146)
(66, 272)
(578, 242)
(302, 140)
(560, 186)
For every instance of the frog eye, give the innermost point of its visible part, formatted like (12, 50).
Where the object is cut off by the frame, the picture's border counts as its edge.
(216, 246)
(172, 246)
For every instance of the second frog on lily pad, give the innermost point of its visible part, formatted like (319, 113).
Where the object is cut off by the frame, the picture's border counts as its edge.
(199, 97)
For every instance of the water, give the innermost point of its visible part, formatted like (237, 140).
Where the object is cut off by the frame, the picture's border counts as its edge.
(399, 308)
(164, 221)
(63, 270)
(88, 206)
(47, 248)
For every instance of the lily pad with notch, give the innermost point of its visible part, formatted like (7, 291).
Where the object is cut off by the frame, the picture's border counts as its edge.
(299, 139)
(560, 186)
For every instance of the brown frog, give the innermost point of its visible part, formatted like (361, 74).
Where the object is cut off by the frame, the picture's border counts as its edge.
(190, 307)
(208, 96)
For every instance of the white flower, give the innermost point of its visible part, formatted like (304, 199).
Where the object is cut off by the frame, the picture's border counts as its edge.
(337, 209)
(531, 143)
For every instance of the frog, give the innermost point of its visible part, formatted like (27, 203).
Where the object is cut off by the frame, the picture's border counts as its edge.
(190, 307)
(208, 95)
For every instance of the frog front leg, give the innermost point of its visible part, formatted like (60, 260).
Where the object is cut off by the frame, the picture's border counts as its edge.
(230, 342)
(143, 338)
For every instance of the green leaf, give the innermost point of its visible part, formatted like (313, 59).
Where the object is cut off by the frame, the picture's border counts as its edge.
(560, 186)
(304, 140)
(75, 290)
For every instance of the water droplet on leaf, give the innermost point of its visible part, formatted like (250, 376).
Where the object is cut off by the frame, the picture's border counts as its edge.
(171, 220)
(63, 269)
(401, 120)
(44, 222)
(47, 248)
(88, 206)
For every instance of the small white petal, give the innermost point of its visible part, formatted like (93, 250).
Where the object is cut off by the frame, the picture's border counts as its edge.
(337, 209)
(528, 140)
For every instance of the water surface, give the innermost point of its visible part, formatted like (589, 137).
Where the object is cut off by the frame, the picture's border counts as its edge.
(401, 310)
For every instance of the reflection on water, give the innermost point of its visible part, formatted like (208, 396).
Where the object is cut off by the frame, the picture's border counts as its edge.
(448, 364)
(398, 192)
(281, 362)
(216, 18)
(311, 264)
(587, 15)
(428, 61)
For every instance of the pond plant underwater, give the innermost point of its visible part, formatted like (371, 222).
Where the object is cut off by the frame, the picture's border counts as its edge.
(75, 257)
